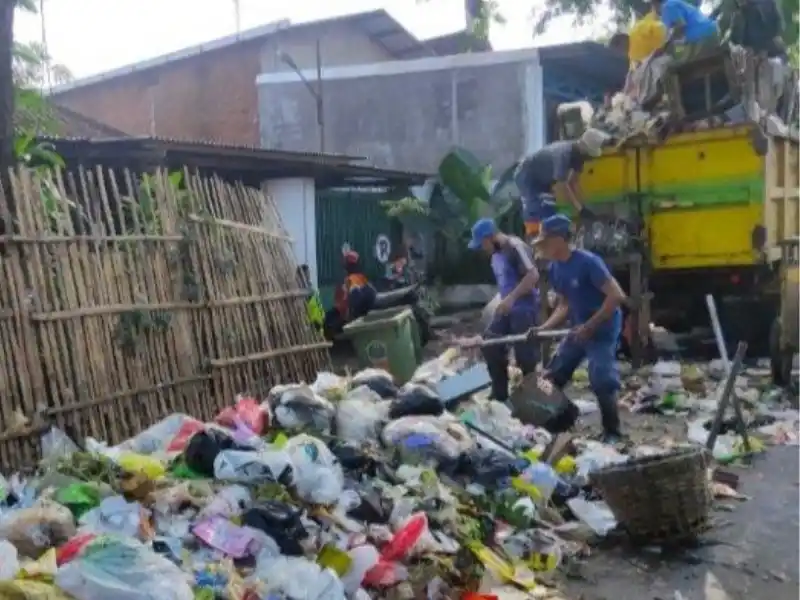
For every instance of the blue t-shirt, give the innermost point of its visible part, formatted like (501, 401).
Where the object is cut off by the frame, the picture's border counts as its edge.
(698, 26)
(510, 264)
(580, 279)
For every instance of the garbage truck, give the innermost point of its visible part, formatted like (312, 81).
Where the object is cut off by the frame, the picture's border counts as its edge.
(712, 211)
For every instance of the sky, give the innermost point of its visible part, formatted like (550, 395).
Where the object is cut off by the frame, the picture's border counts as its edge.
(94, 36)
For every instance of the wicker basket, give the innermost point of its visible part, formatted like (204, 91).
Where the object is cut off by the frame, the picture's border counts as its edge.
(659, 499)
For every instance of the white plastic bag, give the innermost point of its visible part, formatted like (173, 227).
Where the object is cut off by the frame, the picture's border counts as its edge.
(318, 475)
(157, 437)
(430, 437)
(114, 515)
(9, 560)
(123, 569)
(241, 466)
(297, 578)
(330, 386)
(298, 407)
(57, 444)
(358, 416)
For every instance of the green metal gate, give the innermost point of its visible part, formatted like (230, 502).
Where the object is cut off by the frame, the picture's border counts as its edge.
(349, 217)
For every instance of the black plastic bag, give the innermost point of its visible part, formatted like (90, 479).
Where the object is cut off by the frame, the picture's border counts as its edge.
(416, 399)
(280, 522)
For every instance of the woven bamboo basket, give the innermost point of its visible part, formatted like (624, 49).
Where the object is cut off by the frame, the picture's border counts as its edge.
(659, 499)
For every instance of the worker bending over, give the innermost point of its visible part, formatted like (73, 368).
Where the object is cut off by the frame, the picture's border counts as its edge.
(691, 33)
(590, 297)
(555, 169)
(516, 275)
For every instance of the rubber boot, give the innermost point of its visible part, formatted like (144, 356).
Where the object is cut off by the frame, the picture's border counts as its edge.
(498, 372)
(609, 414)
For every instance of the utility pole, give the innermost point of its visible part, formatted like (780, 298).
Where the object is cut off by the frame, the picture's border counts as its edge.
(318, 97)
(237, 15)
(314, 89)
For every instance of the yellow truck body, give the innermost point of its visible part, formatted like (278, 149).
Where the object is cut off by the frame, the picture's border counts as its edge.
(707, 198)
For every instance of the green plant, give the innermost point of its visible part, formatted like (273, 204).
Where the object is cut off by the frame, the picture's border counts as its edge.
(466, 195)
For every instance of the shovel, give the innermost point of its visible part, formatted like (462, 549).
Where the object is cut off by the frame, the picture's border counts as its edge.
(517, 338)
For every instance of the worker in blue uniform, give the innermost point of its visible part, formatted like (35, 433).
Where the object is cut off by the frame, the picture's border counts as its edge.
(516, 275)
(590, 297)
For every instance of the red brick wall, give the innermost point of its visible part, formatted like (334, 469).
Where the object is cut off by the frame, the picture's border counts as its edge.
(210, 97)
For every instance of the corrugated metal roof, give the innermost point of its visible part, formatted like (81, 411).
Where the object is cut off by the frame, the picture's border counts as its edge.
(268, 164)
(377, 24)
(68, 123)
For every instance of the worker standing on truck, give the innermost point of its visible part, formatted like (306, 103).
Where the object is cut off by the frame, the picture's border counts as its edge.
(553, 167)
(516, 275)
(590, 297)
(696, 32)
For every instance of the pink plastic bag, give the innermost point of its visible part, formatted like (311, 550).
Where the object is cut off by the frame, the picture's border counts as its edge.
(246, 411)
(187, 430)
(222, 535)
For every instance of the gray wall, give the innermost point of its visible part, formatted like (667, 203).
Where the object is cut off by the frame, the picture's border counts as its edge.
(407, 120)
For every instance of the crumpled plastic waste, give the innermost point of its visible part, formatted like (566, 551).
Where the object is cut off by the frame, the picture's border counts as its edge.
(360, 414)
(416, 399)
(33, 530)
(318, 476)
(122, 568)
(298, 408)
(379, 381)
(425, 438)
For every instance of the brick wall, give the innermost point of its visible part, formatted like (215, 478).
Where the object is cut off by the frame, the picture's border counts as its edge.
(213, 96)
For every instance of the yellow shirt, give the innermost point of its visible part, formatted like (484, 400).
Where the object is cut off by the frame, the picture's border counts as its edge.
(645, 37)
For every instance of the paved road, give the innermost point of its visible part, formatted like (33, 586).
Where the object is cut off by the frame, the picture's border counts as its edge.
(752, 557)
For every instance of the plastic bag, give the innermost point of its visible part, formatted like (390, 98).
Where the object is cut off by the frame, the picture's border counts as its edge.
(318, 475)
(378, 380)
(29, 589)
(299, 579)
(244, 466)
(123, 569)
(279, 522)
(597, 515)
(360, 414)
(247, 411)
(299, 408)
(219, 533)
(9, 561)
(416, 399)
(231, 501)
(330, 386)
(113, 516)
(423, 438)
(57, 444)
(158, 437)
(150, 467)
(34, 530)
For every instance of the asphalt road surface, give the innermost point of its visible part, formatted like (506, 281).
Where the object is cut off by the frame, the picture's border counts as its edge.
(751, 553)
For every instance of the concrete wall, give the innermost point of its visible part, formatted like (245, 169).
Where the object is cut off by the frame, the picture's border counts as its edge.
(210, 95)
(295, 200)
(408, 114)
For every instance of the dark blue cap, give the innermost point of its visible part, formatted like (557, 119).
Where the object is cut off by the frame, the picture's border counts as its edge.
(555, 226)
(482, 229)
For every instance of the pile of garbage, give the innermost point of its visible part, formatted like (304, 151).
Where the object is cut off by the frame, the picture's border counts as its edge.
(350, 487)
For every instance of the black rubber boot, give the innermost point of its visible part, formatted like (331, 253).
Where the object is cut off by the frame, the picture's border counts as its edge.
(609, 414)
(499, 375)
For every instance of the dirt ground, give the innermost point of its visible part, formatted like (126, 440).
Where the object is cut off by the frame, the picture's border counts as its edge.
(750, 553)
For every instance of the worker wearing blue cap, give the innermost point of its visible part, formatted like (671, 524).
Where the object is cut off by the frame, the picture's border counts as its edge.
(516, 275)
(590, 297)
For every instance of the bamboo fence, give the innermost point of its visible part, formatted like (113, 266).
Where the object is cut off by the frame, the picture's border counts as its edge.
(126, 299)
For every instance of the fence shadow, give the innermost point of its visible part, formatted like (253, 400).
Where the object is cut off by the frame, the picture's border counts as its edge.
(127, 298)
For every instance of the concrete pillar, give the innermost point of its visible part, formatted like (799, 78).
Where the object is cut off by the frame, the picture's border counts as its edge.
(295, 199)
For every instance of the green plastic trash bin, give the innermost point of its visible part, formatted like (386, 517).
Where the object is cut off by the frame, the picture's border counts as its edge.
(387, 339)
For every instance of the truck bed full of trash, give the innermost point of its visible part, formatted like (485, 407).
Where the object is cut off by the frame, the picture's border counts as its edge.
(346, 488)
